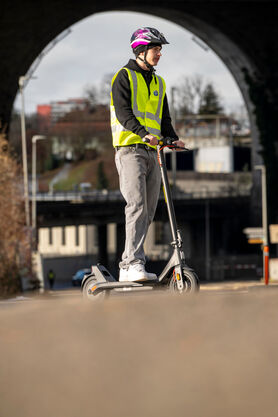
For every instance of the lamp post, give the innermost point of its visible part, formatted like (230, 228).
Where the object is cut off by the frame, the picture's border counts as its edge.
(264, 221)
(207, 226)
(34, 184)
(21, 83)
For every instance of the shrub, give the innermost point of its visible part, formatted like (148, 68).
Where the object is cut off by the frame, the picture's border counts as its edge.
(15, 250)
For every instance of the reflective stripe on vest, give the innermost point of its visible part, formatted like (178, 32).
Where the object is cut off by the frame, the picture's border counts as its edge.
(140, 97)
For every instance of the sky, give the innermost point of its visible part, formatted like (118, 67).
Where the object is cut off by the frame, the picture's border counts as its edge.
(99, 45)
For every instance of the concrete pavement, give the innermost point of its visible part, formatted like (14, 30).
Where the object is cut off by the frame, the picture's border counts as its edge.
(211, 354)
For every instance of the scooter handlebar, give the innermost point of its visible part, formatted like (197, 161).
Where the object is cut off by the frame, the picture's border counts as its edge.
(167, 142)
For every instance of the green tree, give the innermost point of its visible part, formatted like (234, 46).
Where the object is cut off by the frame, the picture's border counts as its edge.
(210, 103)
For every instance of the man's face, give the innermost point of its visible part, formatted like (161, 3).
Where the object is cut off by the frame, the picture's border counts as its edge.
(153, 55)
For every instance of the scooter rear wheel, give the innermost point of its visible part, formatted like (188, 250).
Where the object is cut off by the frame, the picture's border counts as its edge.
(88, 290)
(190, 281)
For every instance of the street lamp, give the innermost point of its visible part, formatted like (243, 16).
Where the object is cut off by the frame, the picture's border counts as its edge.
(21, 83)
(264, 221)
(34, 183)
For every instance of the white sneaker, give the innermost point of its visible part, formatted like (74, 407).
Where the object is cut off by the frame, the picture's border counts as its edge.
(137, 272)
(123, 276)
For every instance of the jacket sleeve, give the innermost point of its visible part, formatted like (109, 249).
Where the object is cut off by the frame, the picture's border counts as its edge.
(167, 129)
(121, 94)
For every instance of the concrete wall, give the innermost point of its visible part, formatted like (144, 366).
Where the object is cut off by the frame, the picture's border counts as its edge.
(214, 159)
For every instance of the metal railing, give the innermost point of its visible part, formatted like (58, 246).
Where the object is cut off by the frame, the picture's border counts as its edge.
(93, 195)
(115, 195)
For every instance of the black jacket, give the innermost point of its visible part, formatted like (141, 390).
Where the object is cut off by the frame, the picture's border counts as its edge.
(122, 101)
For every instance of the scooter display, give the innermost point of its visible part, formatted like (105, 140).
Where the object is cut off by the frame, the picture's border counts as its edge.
(176, 275)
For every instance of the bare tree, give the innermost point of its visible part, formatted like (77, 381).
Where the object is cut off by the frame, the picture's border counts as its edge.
(190, 94)
(99, 94)
(91, 93)
(105, 88)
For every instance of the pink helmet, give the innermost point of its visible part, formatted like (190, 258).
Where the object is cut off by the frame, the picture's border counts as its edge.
(146, 36)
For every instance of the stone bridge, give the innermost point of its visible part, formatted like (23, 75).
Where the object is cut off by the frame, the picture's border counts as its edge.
(243, 34)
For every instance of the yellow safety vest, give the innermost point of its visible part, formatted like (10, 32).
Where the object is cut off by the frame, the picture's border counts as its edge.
(146, 107)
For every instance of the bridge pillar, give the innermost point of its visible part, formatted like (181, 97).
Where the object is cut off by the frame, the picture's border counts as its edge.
(102, 244)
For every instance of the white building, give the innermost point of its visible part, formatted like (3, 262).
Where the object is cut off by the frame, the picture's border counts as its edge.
(73, 240)
(212, 138)
(60, 108)
(83, 240)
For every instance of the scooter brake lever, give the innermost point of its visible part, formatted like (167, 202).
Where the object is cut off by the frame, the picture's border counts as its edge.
(167, 142)
(181, 148)
(170, 143)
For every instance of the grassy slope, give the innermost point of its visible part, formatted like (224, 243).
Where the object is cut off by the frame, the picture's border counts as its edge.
(83, 171)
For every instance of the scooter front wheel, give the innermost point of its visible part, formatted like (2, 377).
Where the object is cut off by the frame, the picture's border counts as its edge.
(88, 290)
(190, 281)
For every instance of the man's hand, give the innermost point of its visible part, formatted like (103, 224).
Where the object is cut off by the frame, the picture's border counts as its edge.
(179, 143)
(152, 140)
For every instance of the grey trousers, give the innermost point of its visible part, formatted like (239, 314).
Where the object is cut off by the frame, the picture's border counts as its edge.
(140, 180)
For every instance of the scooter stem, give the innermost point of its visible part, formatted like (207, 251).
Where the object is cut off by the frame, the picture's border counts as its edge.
(168, 196)
(176, 243)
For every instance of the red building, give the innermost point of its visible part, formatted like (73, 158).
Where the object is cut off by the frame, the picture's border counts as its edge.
(44, 116)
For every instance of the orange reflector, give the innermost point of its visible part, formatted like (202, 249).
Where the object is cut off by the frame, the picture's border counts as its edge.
(93, 289)
(255, 241)
(178, 277)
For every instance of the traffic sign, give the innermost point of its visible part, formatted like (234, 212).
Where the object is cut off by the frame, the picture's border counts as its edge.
(254, 235)
(273, 233)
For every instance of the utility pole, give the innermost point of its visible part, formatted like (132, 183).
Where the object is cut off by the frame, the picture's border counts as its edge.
(264, 221)
(34, 186)
(207, 227)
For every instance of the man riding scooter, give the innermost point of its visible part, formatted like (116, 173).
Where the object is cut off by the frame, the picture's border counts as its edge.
(139, 114)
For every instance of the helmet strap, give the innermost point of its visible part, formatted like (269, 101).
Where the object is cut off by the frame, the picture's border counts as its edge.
(148, 65)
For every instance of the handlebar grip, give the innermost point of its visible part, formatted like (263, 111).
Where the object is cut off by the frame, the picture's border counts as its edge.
(167, 141)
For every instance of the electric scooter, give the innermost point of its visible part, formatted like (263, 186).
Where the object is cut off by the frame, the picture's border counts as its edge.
(176, 275)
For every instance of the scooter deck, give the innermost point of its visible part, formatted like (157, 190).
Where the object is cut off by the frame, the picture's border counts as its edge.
(122, 286)
(104, 282)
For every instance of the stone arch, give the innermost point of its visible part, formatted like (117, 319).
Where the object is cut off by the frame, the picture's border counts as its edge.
(222, 25)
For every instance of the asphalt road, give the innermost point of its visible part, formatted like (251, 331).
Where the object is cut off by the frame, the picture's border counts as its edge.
(207, 355)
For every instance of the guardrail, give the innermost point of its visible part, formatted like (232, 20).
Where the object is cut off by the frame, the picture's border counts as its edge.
(115, 195)
(94, 195)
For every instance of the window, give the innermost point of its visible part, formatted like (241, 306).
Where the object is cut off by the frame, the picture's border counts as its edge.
(50, 236)
(63, 236)
(96, 231)
(76, 235)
